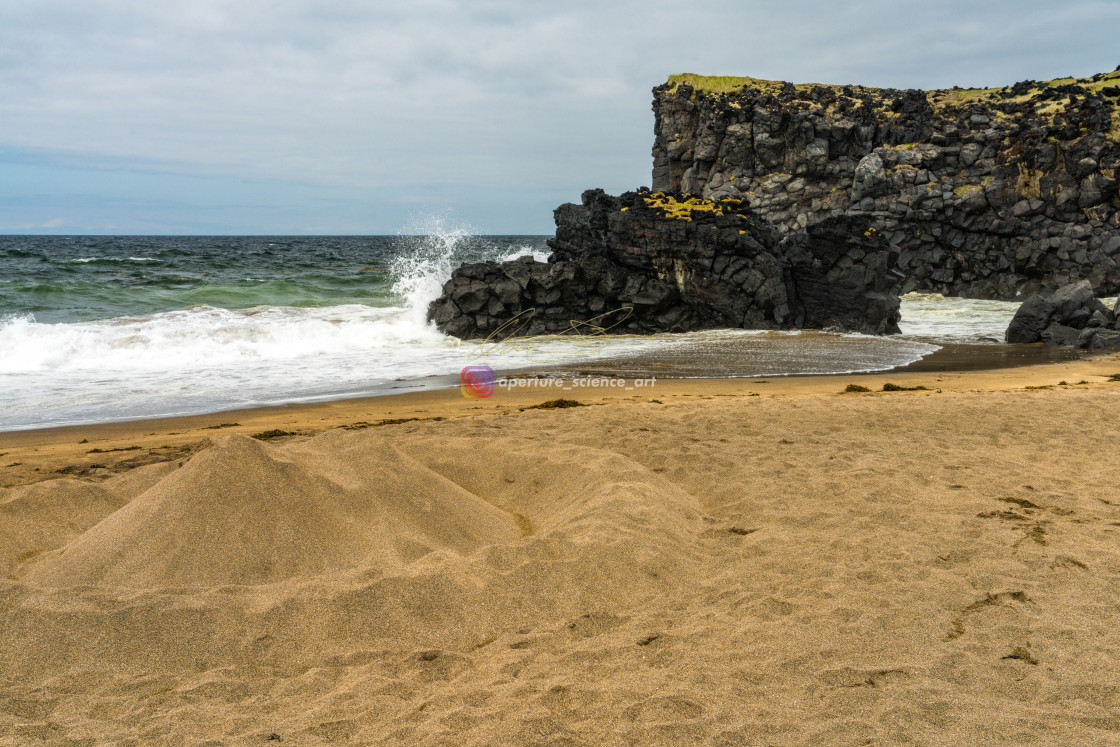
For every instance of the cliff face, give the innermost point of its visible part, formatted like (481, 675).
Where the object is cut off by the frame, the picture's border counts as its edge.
(988, 193)
(653, 262)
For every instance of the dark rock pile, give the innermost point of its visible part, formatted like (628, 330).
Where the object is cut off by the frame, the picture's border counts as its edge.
(678, 263)
(988, 193)
(1070, 316)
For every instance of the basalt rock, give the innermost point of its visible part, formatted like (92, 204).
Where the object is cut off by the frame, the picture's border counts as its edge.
(993, 193)
(1070, 316)
(648, 262)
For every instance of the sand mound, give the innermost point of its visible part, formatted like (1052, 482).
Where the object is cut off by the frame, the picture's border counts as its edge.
(242, 512)
(41, 517)
(564, 489)
(518, 532)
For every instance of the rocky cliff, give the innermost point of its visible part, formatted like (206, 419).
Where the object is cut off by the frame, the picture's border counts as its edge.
(992, 193)
(649, 262)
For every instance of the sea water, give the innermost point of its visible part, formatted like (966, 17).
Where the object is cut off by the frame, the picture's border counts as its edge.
(94, 329)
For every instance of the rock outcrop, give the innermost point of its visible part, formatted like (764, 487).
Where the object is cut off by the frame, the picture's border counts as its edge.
(1070, 316)
(678, 263)
(990, 193)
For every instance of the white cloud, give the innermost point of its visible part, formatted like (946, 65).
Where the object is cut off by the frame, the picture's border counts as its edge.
(485, 95)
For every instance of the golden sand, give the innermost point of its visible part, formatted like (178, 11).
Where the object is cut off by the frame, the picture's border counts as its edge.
(705, 562)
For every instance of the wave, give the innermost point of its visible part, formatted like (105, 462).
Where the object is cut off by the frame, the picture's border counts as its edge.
(204, 337)
(87, 260)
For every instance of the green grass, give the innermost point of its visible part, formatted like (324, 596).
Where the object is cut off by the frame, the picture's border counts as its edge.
(721, 83)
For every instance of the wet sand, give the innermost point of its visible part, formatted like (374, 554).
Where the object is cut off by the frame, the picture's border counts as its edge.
(738, 358)
(729, 561)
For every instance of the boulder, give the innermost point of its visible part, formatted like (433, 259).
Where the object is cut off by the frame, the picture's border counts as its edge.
(1062, 318)
(648, 262)
(1029, 322)
(1059, 334)
(1095, 338)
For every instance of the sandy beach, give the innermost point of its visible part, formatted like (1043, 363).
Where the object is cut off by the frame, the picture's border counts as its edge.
(724, 562)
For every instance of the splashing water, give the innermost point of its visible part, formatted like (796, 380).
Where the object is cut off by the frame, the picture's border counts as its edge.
(421, 271)
(537, 254)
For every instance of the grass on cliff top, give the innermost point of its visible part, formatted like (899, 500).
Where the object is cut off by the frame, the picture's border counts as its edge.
(956, 97)
(732, 84)
(942, 97)
(939, 98)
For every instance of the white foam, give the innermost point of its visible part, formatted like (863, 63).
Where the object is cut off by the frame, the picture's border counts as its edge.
(204, 359)
(933, 316)
(205, 335)
(529, 251)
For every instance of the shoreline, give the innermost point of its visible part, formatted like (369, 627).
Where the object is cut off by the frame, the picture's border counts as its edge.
(668, 364)
(103, 449)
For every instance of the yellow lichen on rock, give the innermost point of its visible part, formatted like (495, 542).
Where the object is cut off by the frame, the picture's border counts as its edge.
(673, 207)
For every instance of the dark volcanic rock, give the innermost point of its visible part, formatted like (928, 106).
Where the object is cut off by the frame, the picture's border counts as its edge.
(650, 262)
(844, 276)
(1070, 316)
(1032, 318)
(1093, 338)
(1059, 334)
(988, 194)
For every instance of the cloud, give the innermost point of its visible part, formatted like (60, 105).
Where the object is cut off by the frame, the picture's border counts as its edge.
(484, 96)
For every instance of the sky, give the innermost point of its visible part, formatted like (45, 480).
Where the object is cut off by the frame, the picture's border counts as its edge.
(329, 117)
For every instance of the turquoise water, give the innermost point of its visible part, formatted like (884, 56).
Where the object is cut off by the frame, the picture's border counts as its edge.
(61, 279)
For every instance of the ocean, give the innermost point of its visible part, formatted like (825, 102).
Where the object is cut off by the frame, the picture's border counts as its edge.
(96, 329)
